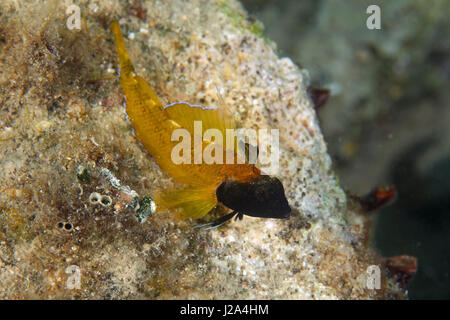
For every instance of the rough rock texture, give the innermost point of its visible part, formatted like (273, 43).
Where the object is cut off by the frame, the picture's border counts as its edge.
(387, 87)
(55, 122)
(383, 82)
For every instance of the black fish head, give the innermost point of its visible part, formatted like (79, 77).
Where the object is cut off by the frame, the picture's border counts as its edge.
(263, 197)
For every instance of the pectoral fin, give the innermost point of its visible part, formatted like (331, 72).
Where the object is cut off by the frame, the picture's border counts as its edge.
(190, 202)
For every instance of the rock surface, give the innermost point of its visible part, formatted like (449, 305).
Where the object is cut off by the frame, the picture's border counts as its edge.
(60, 131)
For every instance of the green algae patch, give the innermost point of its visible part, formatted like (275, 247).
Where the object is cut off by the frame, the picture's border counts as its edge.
(15, 226)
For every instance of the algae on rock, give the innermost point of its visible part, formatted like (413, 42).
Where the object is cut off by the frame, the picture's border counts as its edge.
(54, 119)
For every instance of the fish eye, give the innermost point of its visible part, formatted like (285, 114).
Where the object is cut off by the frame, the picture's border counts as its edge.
(262, 194)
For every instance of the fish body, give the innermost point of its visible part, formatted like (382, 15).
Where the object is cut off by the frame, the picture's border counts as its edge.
(154, 125)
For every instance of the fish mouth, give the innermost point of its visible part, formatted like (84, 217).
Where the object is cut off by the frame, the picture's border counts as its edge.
(287, 213)
(284, 213)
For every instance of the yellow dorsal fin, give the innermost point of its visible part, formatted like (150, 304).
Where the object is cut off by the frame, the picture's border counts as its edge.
(185, 114)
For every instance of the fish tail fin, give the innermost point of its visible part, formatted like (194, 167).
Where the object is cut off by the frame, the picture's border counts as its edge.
(126, 66)
(144, 109)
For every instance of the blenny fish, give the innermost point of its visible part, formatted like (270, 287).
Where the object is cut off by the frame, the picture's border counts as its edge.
(239, 186)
